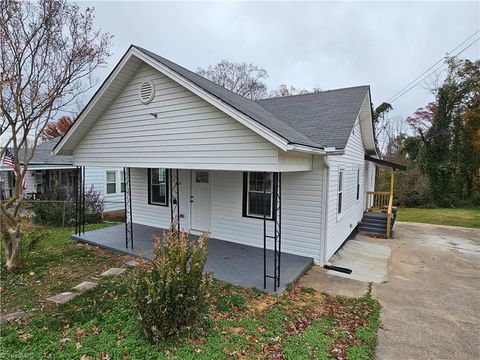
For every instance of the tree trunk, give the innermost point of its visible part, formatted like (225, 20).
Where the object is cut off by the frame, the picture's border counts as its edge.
(12, 240)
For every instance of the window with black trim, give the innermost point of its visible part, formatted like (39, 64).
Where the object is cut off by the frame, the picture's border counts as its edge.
(158, 187)
(358, 184)
(255, 186)
(340, 191)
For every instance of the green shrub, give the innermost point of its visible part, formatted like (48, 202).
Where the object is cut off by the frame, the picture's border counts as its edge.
(172, 294)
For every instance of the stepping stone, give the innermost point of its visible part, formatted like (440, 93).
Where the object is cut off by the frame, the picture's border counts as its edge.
(113, 272)
(14, 316)
(62, 298)
(84, 286)
(132, 263)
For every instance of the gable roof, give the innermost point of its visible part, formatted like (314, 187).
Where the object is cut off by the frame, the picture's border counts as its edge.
(315, 121)
(242, 104)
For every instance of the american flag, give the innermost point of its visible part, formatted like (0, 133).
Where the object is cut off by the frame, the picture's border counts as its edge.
(9, 160)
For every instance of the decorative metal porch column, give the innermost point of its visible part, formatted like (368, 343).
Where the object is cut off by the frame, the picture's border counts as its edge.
(174, 197)
(276, 236)
(79, 189)
(127, 195)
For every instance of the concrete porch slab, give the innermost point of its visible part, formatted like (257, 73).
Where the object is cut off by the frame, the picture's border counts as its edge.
(234, 263)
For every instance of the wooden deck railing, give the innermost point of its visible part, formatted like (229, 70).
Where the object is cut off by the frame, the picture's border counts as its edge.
(377, 201)
(381, 201)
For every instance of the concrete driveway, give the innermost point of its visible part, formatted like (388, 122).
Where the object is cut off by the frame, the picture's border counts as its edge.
(431, 294)
(431, 300)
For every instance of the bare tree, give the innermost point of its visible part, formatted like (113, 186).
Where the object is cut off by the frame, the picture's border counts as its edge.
(48, 50)
(284, 90)
(241, 78)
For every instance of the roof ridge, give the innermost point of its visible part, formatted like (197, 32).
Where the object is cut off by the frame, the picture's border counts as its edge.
(194, 73)
(311, 93)
(221, 88)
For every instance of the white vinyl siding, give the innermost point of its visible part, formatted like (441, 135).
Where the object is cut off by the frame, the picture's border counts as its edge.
(301, 209)
(340, 226)
(96, 177)
(187, 132)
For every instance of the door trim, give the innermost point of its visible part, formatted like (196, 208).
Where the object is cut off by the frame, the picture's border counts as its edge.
(191, 212)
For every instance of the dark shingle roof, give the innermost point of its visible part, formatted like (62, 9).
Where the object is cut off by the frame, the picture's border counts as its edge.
(44, 154)
(323, 119)
(326, 117)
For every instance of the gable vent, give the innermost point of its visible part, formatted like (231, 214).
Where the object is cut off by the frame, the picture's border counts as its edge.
(146, 92)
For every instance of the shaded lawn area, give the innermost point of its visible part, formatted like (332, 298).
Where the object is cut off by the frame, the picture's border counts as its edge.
(243, 323)
(466, 217)
(51, 263)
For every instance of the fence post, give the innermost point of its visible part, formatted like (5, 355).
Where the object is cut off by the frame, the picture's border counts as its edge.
(63, 213)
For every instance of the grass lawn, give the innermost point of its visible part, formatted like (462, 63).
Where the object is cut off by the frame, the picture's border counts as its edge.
(243, 323)
(52, 263)
(466, 217)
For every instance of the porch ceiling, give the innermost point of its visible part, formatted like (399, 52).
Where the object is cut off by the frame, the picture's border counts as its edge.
(230, 262)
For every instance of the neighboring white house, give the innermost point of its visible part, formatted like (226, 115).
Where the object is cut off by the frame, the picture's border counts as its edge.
(46, 169)
(152, 116)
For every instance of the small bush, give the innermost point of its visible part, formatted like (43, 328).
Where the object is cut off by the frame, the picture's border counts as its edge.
(172, 294)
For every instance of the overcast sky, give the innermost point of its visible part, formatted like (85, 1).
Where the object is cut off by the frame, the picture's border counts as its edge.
(329, 44)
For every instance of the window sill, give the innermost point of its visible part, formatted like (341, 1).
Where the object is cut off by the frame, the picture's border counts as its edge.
(257, 217)
(154, 204)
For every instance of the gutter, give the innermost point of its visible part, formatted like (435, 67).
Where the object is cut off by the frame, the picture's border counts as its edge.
(311, 150)
(323, 245)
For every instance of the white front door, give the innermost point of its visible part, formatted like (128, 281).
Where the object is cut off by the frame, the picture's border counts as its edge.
(200, 200)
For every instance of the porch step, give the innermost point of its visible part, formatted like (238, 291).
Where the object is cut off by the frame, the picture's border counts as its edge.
(376, 222)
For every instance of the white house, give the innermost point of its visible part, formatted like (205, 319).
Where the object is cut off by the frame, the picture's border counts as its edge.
(46, 169)
(304, 154)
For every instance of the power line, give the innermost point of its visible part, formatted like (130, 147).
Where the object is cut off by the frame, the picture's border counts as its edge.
(396, 97)
(439, 61)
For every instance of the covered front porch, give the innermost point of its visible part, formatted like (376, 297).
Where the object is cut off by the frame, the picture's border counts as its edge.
(234, 263)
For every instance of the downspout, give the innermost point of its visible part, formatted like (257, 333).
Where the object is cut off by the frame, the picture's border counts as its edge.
(323, 247)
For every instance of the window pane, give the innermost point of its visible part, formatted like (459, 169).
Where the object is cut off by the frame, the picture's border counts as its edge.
(340, 203)
(201, 176)
(111, 178)
(155, 176)
(111, 188)
(158, 176)
(256, 204)
(340, 180)
(159, 194)
(257, 181)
